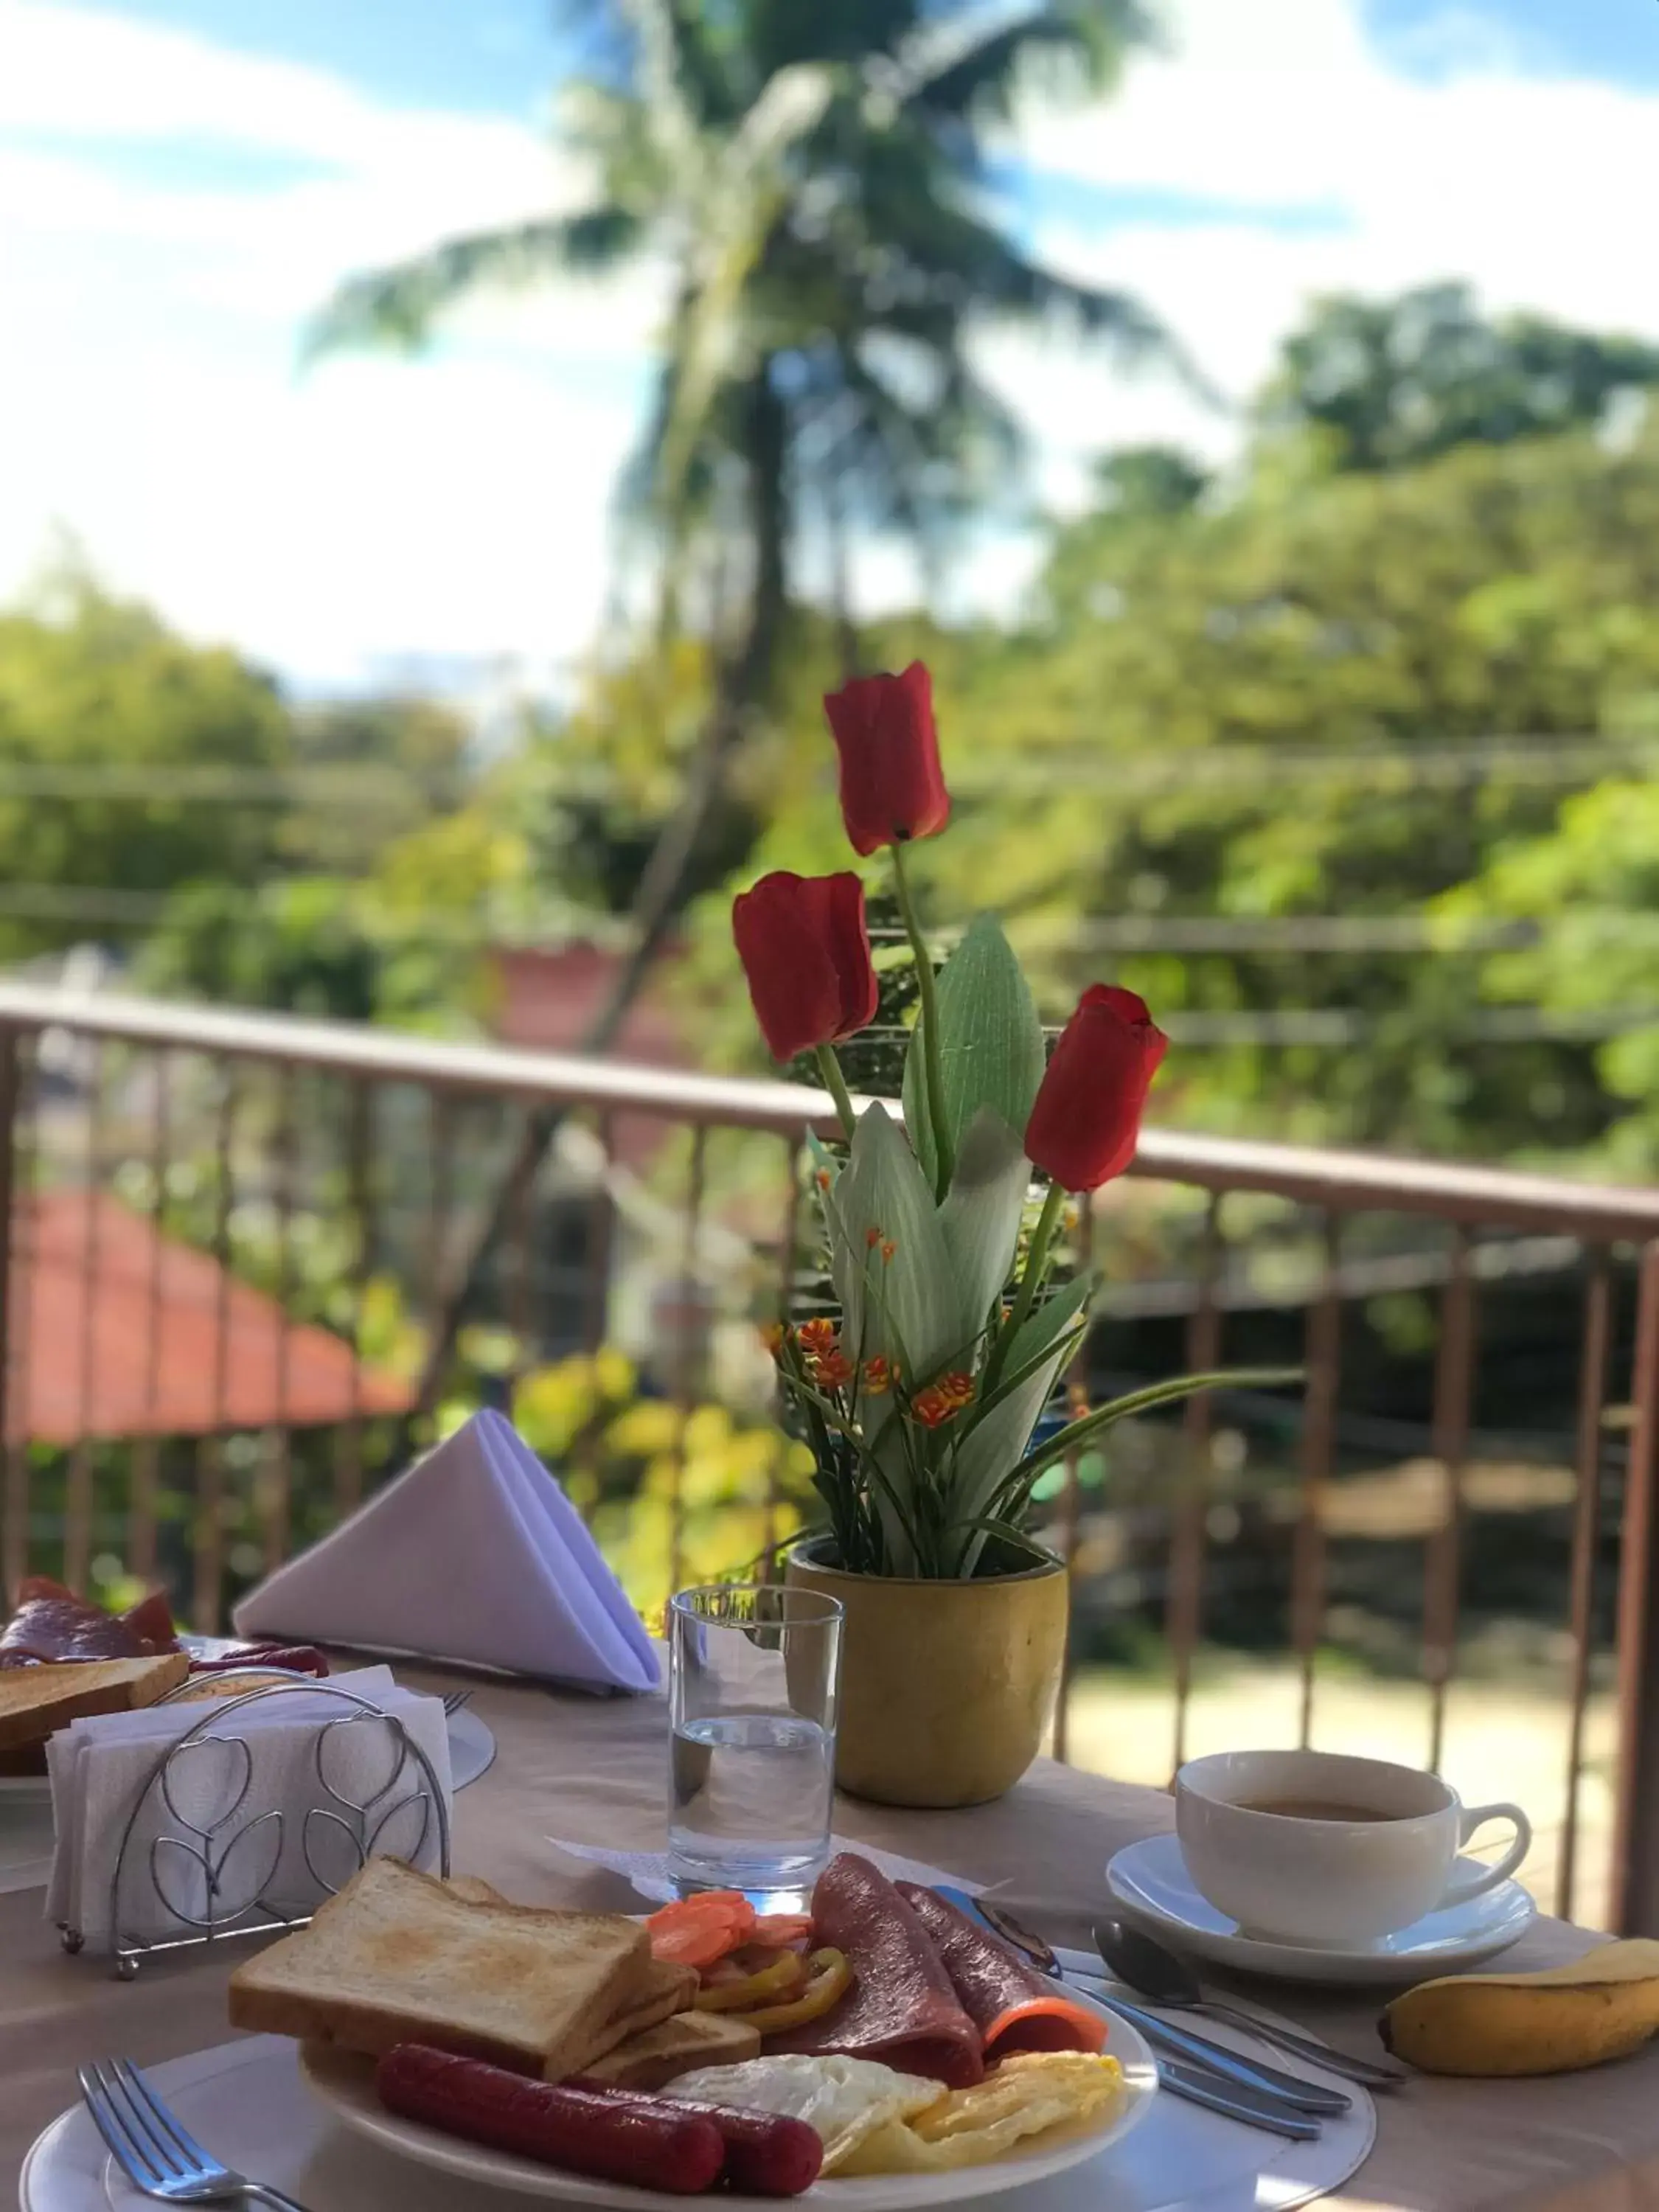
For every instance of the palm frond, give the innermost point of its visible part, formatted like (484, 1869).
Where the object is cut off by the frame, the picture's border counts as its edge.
(1086, 40)
(396, 308)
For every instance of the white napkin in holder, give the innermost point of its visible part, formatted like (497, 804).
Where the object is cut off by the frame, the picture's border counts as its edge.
(474, 1555)
(188, 1822)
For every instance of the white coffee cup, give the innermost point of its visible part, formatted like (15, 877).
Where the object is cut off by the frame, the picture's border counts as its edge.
(1307, 1878)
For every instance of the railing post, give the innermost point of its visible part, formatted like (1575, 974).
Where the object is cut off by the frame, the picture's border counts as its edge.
(15, 1542)
(1633, 1889)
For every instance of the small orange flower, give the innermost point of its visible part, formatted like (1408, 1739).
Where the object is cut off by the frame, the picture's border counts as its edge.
(889, 1249)
(821, 1178)
(878, 1376)
(956, 1388)
(832, 1371)
(1077, 1400)
(772, 1335)
(818, 1337)
(933, 1408)
(872, 1237)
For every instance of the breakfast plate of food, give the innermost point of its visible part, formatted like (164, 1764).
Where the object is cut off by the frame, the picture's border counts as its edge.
(879, 2052)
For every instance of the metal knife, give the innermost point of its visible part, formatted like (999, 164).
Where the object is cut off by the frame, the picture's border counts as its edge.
(1292, 2092)
(1199, 2085)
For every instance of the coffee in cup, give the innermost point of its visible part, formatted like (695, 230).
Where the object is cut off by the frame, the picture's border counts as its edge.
(1323, 1849)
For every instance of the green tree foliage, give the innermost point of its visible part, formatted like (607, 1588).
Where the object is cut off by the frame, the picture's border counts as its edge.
(1384, 384)
(105, 715)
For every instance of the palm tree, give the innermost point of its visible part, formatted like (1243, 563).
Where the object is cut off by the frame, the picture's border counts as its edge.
(815, 179)
(815, 175)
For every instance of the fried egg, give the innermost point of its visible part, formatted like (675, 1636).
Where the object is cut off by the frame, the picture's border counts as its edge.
(846, 2100)
(1023, 2097)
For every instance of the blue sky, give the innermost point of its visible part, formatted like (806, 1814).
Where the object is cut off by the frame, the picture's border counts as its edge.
(182, 180)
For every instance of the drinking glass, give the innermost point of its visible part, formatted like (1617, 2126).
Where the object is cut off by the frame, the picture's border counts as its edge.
(754, 1676)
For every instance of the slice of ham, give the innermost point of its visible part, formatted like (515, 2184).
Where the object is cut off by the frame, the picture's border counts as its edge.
(50, 1623)
(902, 2007)
(285, 1658)
(1013, 2007)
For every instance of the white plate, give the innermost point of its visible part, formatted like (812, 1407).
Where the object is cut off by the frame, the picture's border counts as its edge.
(26, 1835)
(346, 2085)
(248, 2101)
(1150, 1882)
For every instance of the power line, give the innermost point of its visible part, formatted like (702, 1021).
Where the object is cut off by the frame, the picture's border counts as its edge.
(332, 785)
(1059, 766)
(1313, 933)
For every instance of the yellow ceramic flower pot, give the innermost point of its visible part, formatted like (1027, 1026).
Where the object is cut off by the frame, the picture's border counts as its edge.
(947, 1687)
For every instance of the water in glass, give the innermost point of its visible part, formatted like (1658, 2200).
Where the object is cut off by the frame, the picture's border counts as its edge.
(753, 1680)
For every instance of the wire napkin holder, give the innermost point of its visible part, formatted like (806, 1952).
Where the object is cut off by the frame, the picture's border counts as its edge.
(203, 1852)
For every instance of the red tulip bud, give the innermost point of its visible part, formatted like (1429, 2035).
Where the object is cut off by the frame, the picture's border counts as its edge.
(892, 789)
(1086, 1120)
(805, 950)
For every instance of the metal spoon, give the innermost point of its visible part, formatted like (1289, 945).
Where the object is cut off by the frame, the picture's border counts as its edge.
(1163, 1978)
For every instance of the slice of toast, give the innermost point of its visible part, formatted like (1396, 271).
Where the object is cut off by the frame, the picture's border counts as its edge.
(690, 2038)
(669, 1990)
(398, 1957)
(36, 1701)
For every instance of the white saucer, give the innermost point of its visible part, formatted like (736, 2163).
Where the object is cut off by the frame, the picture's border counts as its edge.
(1150, 1882)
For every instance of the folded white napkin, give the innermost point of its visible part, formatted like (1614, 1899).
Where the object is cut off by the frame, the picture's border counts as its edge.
(647, 1871)
(244, 1813)
(474, 1554)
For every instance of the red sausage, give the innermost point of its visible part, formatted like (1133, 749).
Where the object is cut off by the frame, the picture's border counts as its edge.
(767, 2154)
(663, 2147)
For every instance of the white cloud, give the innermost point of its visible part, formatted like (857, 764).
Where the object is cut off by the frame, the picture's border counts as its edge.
(369, 509)
(1534, 188)
(459, 506)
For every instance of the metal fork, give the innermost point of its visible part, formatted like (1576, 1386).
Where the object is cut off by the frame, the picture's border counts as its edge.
(155, 2150)
(454, 1700)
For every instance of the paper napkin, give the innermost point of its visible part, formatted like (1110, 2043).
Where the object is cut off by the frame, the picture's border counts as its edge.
(474, 1554)
(647, 1871)
(245, 1813)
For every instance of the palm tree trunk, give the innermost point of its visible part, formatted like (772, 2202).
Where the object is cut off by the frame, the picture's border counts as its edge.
(743, 687)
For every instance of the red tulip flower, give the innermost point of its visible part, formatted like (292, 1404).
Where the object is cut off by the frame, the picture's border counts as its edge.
(805, 949)
(892, 789)
(1086, 1121)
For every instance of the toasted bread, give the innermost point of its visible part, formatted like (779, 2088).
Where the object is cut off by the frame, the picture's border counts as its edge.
(473, 1889)
(398, 1957)
(669, 1990)
(674, 2047)
(35, 1702)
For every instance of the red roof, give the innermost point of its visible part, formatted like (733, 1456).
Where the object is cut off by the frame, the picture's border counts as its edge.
(548, 1001)
(120, 1333)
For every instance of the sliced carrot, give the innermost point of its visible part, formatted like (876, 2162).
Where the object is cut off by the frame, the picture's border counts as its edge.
(1044, 2024)
(781, 1930)
(695, 1931)
(700, 1901)
(693, 1944)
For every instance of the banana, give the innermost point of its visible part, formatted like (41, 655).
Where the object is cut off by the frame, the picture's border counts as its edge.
(1596, 2007)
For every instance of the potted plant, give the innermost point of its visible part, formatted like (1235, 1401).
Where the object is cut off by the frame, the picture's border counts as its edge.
(919, 1397)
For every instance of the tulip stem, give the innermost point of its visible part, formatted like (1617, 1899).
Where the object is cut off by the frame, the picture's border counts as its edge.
(835, 1084)
(1037, 1264)
(935, 1057)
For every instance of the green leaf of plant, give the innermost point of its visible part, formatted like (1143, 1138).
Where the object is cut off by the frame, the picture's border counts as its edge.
(979, 1219)
(905, 1308)
(1140, 1401)
(990, 1043)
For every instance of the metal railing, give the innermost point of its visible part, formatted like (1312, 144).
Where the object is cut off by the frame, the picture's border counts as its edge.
(115, 1111)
